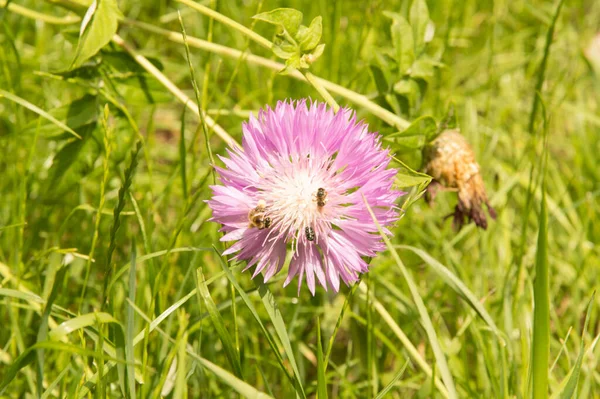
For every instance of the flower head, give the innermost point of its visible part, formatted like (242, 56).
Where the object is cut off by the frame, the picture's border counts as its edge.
(450, 160)
(299, 184)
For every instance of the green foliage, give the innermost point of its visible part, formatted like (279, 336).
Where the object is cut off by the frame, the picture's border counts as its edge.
(501, 313)
(98, 26)
(297, 44)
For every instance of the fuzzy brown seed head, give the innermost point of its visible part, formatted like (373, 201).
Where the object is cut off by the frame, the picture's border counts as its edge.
(449, 159)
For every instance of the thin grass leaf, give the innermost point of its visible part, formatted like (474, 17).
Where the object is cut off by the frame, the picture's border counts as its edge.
(28, 356)
(573, 378)
(129, 354)
(277, 319)
(80, 322)
(54, 281)
(48, 392)
(542, 70)
(37, 110)
(393, 382)
(425, 319)
(321, 366)
(10, 293)
(541, 311)
(240, 386)
(295, 379)
(217, 321)
(457, 285)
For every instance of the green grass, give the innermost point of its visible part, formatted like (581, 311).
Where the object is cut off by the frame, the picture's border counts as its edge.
(111, 282)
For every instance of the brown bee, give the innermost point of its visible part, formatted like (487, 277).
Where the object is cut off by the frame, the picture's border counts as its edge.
(257, 216)
(310, 233)
(321, 197)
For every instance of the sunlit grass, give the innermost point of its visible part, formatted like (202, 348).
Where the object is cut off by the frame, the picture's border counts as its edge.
(111, 279)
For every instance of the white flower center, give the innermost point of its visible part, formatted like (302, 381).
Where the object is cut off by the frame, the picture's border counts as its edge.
(290, 193)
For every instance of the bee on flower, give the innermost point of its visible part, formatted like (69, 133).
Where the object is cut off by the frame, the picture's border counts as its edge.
(307, 171)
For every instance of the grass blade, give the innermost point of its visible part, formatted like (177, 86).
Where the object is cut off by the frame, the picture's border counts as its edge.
(217, 321)
(394, 380)
(295, 379)
(273, 310)
(440, 358)
(129, 354)
(37, 110)
(571, 386)
(457, 285)
(541, 312)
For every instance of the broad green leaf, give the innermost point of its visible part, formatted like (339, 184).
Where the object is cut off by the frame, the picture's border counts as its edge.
(423, 68)
(402, 40)
(408, 179)
(37, 110)
(98, 26)
(419, 19)
(287, 18)
(309, 38)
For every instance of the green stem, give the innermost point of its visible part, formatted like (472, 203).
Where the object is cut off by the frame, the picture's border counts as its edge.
(312, 79)
(352, 96)
(228, 21)
(26, 12)
(319, 84)
(151, 69)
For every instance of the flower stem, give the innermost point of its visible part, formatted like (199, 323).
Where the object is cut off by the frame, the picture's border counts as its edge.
(312, 79)
(181, 96)
(50, 19)
(352, 96)
(229, 22)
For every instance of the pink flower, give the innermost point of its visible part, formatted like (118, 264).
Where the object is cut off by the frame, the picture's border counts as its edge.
(298, 184)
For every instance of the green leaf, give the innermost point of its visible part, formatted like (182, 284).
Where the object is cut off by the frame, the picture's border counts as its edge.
(285, 50)
(541, 311)
(402, 40)
(417, 134)
(571, 386)
(98, 26)
(287, 18)
(308, 38)
(410, 179)
(423, 68)
(380, 80)
(37, 110)
(75, 115)
(419, 18)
